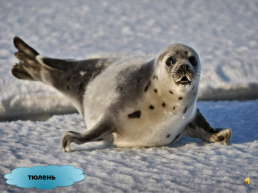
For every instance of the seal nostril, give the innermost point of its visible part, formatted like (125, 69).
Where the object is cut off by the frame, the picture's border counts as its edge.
(184, 66)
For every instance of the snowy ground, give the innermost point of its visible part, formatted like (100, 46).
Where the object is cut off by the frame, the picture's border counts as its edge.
(187, 166)
(224, 34)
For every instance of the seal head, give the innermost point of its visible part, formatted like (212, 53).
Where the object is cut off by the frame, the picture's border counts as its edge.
(181, 63)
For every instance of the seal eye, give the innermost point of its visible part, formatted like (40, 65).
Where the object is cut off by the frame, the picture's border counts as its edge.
(170, 61)
(193, 60)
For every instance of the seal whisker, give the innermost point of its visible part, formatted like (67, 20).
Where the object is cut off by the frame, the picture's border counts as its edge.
(167, 77)
(201, 76)
(203, 79)
(169, 80)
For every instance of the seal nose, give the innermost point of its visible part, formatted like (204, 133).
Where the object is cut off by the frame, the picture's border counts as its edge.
(184, 67)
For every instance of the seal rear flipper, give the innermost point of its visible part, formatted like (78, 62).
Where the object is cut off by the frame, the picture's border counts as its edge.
(28, 67)
(24, 48)
(56, 64)
(19, 72)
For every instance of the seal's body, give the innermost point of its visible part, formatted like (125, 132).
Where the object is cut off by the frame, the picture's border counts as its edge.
(131, 102)
(146, 114)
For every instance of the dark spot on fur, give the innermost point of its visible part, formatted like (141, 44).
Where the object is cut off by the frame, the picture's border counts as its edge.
(163, 105)
(146, 88)
(177, 52)
(185, 110)
(155, 90)
(119, 88)
(193, 87)
(68, 88)
(139, 80)
(151, 107)
(154, 77)
(100, 139)
(170, 92)
(186, 52)
(168, 135)
(198, 110)
(180, 98)
(174, 108)
(176, 138)
(194, 93)
(80, 86)
(136, 114)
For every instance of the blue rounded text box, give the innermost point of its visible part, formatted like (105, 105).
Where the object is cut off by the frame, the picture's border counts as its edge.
(42, 177)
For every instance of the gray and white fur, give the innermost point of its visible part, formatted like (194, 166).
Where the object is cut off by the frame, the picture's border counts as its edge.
(130, 102)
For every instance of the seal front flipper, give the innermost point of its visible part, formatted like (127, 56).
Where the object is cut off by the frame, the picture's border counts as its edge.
(101, 131)
(200, 128)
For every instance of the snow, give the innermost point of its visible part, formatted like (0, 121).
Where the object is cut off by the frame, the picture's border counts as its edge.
(189, 165)
(224, 34)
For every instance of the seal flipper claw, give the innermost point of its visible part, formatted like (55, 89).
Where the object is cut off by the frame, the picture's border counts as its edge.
(223, 136)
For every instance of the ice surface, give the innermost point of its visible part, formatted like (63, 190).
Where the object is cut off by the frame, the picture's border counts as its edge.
(189, 165)
(224, 34)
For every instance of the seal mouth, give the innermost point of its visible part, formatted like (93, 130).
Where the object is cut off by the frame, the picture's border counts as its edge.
(184, 81)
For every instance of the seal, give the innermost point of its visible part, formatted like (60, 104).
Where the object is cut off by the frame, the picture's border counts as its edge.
(128, 101)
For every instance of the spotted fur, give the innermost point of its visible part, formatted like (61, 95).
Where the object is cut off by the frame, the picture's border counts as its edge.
(112, 95)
